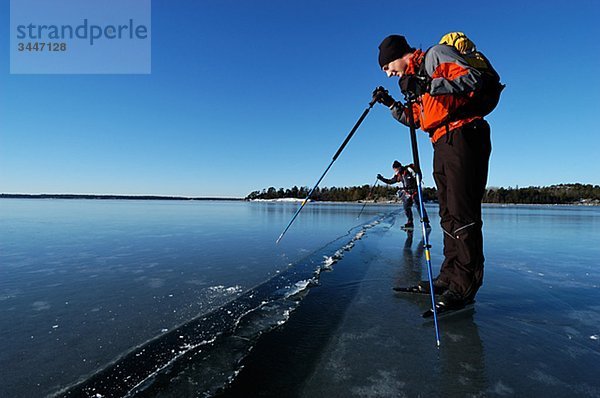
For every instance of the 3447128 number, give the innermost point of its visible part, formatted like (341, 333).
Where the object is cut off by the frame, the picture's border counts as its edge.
(43, 46)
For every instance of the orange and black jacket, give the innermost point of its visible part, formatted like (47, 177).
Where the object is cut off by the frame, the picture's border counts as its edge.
(453, 82)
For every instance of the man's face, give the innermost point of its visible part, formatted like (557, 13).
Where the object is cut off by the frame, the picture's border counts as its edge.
(396, 170)
(396, 67)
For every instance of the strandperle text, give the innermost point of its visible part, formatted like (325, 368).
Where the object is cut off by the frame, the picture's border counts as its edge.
(84, 31)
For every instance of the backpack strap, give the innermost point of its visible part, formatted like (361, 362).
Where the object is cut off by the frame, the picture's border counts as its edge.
(421, 72)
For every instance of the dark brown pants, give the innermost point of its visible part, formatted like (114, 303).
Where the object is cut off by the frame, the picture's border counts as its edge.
(460, 170)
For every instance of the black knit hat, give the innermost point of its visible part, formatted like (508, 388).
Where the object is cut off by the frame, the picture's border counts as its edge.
(396, 165)
(392, 48)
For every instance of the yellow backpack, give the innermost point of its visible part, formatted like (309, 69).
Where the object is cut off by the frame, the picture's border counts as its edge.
(487, 97)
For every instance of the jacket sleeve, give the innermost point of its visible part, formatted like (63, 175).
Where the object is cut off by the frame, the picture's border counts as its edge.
(399, 112)
(389, 180)
(449, 71)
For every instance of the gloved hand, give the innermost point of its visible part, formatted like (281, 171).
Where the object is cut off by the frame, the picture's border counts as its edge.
(382, 96)
(379, 177)
(413, 85)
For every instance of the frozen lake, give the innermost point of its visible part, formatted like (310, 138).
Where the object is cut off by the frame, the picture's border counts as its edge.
(182, 298)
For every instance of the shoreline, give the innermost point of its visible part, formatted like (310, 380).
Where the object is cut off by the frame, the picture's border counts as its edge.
(279, 200)
(110, 197)
(370, 203)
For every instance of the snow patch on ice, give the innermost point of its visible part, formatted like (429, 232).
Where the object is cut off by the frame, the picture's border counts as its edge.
(328, 261)
(292, 200)
(286, 316)
(298, 287)
(372, 224)
(225, 290)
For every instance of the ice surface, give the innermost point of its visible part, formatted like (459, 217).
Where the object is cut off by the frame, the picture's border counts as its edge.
(146, 271)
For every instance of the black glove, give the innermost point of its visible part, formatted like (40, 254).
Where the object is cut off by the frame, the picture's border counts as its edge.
(382, 96)
(379, 177)
(414, 86)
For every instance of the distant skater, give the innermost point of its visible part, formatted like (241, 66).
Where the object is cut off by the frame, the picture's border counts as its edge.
(405, 175)
(441, 85)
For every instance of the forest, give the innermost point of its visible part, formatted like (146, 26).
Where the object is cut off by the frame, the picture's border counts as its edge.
(553, 194)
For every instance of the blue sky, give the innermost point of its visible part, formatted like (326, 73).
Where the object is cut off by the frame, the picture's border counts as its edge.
(247, 95)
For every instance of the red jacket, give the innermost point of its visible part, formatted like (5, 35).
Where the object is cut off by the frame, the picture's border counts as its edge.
(452, 85)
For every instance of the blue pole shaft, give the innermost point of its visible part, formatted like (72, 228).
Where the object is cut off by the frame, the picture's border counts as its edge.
(428, 259)
(427, 246)
(339, 151)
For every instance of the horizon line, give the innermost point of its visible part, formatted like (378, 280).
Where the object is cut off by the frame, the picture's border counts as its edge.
(111, 196)
(184, 197)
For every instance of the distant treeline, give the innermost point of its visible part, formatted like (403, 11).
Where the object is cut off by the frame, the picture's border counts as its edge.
(554, 194)
(336, 194)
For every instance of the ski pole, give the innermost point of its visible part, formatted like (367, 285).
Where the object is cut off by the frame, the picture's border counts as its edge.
(339, 151)
(426, 245)
(368, 196)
